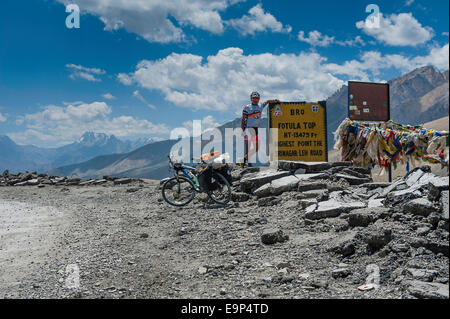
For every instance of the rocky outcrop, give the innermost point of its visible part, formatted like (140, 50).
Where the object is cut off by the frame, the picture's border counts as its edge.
(405, 219)
(273, 236)
(332, 208)
(253, 182)
(426, 290)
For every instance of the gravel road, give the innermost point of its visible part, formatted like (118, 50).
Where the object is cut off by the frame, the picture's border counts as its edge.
(123, 241)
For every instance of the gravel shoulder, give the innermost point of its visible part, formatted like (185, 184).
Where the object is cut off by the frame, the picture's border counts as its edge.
(29, 234)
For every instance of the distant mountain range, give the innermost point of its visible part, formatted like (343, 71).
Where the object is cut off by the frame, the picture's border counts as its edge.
(18, 158)
(417, 97)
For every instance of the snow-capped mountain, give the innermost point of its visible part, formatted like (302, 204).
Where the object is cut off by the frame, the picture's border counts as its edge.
(94, 139)
(91, 144)
(91, 139)
(141, 142)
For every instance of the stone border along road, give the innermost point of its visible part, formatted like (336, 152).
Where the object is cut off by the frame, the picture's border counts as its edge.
(299, 236)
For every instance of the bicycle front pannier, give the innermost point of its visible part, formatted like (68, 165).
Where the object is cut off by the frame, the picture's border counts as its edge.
(205, 179)
(226, 172)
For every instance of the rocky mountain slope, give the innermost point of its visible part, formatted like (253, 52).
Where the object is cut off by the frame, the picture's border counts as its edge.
(416, 98)
(420, 96)
(145, 162)
(305, 231)
(17, 157)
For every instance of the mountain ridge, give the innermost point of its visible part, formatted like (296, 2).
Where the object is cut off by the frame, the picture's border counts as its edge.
(91, 144)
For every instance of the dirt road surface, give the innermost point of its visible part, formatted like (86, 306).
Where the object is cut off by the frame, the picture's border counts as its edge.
(123, 241)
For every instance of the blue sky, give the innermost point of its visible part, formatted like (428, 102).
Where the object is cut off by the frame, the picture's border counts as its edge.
(142, 68)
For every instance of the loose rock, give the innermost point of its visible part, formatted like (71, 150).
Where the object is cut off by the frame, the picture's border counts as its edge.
(273, 236)
(425, 290)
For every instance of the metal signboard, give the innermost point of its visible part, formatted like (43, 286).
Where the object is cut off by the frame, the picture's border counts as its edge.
(302, 131)
(368, 101)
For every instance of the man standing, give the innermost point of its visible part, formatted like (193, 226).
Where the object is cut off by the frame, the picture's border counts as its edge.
(251, 118)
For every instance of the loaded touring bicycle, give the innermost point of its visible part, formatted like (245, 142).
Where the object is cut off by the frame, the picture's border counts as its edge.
(211, 176)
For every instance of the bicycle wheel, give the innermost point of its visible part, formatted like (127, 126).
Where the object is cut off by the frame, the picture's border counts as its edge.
(222, 190)
(178, 192)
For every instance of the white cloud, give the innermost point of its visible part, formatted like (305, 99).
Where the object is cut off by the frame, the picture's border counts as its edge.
(73, 103)
(409, 2)
(351, 43)
(88, 70)
(372, 63)
(79, 71)
(398, 30)
(138, 95)
(2, 118)
(19, 120)
(124, 79)
(52, 114)
(109, 96)
(315, 38)
(258, 21)
(57, 125)
(438, 56)
(207, 123)
(152, 19)
(369, 64)
(445, 34)
(85, 76)
(223, 82)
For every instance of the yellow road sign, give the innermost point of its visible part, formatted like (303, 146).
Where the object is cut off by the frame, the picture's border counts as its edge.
(302, 131)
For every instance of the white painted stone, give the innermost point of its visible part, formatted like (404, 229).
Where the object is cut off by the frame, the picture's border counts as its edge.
(414, 177)
(375, 203)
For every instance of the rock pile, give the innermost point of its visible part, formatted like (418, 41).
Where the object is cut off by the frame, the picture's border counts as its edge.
(406, 220)
(41, 180)
(335, 189)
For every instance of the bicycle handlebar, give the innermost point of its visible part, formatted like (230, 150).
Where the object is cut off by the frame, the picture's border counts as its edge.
(194, 159)
(172, 164)
(200, 160)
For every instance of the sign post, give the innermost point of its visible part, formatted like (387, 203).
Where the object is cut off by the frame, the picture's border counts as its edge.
(301, 129)
(369, 102)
